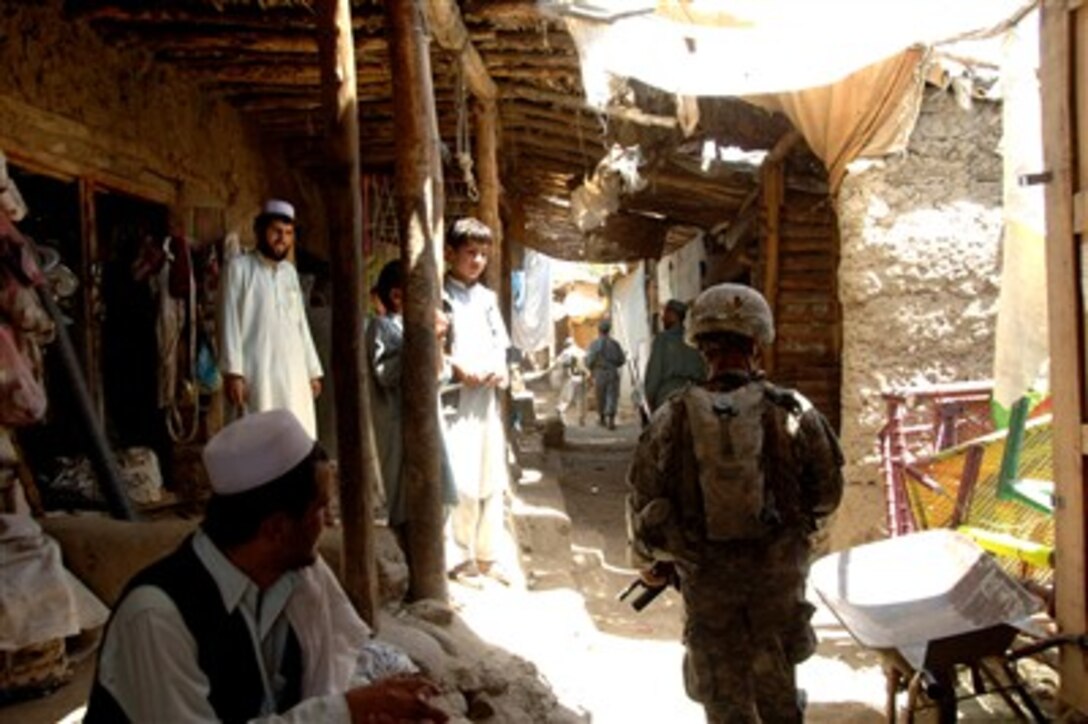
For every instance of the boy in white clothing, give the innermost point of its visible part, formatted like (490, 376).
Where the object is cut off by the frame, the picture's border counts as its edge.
(476, 439)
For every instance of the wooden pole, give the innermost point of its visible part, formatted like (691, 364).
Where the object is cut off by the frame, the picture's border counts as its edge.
(448, 28)
(772, 205)
(419, 211)
(343, 192)
(487, 178)
(1059, 82)
(773, 182)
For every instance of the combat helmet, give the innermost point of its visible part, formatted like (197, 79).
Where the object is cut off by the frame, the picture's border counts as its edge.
(731, 308)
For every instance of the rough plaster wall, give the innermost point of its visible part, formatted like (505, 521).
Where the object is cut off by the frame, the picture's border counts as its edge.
(63, 67)
(918, 282)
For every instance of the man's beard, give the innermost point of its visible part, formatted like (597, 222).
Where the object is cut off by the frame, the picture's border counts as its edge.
(268, 252)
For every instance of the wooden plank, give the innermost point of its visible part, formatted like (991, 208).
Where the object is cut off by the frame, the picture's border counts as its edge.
(564, 100)
(806, 264)
(71, 149)
(357, 456)
(1066, 330)
(808, 284)
(1080, 212)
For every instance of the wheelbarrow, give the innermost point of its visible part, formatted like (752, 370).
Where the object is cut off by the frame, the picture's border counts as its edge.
(928, 603)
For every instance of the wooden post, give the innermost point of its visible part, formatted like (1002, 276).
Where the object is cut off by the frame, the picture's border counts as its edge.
(419, 211)
(91, 270)
(448, 28)
(487, 177)
(343, 193)
(1060, 83)
(773, 181)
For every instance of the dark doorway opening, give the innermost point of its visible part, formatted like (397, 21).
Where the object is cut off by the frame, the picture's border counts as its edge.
(53, 222)
(130, 358)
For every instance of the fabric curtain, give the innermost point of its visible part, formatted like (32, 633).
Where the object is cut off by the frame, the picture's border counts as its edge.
(871, 112)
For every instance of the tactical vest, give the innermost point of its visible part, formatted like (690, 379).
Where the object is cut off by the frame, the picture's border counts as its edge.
(225, 650)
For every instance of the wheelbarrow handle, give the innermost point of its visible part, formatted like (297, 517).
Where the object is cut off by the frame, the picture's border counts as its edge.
(1049, 642)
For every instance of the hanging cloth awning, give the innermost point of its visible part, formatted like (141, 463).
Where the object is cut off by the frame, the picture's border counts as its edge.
(848, 73)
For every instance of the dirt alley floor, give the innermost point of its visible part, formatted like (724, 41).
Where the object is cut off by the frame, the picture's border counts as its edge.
(616, 665)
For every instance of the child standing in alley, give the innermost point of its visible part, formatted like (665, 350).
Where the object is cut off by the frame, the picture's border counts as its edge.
(476, 439)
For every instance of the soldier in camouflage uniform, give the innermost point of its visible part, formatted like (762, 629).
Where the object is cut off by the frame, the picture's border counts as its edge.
(727, 484)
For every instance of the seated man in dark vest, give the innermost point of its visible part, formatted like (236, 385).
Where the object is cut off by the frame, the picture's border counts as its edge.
(244, 620)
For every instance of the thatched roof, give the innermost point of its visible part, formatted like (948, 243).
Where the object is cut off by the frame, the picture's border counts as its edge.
(262, 56)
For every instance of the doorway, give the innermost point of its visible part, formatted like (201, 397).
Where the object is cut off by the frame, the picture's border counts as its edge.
(129, 347)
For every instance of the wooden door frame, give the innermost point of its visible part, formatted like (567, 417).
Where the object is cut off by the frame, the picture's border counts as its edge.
(1064, 58)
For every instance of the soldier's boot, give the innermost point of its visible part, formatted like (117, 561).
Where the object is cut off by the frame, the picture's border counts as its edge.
(611, 422)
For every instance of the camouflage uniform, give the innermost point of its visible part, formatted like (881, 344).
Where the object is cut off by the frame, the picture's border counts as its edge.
(747, 620)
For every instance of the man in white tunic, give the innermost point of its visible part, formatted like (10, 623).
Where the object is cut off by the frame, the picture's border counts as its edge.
(268, 357)
(476, 438)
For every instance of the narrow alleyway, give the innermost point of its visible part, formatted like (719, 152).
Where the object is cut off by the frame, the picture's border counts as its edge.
(611, 663)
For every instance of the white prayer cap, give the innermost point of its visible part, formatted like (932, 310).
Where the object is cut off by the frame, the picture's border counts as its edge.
(255, 450)
(277, 207)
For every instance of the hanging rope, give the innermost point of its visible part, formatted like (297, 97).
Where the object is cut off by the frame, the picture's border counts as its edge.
(463, 151)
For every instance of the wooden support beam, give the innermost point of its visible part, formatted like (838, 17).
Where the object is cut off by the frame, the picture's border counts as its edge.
(357, 461)
(564, 100)
(419, 197)
(529, 61)
(1061, 81)
(590, 136)
(772, 181)
(487, 178)
(562, 145)
(515, 13)
(251, 16)
(529, 42)
(447, 27)
(515, 112)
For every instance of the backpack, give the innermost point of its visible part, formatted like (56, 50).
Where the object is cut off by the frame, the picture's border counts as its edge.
(728, 431)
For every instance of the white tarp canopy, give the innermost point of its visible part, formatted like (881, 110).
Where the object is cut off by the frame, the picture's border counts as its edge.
(847, 73)
(753, 47)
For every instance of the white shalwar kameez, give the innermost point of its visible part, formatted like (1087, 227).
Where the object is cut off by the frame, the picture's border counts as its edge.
(266, 338)
(476, 439)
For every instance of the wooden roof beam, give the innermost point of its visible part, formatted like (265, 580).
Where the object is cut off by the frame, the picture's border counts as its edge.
(253, 17)
(250, 44)
(564, 100)
(447, 27)
(509, 13)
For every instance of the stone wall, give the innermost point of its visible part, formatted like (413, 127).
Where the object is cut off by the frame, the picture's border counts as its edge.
(918, 282)
(72, 103)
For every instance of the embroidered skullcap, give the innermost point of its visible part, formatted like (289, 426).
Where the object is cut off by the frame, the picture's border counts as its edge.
(277, 207)
(255, 450)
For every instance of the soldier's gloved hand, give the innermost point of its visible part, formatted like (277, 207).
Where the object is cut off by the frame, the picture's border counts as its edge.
(659, 575)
